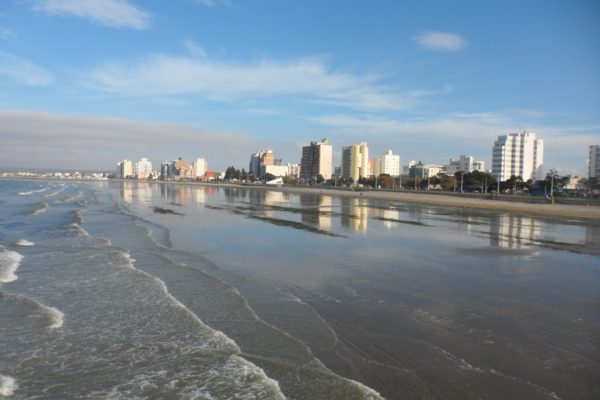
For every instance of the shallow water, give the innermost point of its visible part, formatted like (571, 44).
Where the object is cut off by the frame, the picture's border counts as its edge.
(143, 290)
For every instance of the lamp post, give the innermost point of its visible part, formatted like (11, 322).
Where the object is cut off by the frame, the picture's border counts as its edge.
(461, 181)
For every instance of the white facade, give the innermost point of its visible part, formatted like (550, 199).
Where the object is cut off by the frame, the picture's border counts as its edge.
(276, 170)
(594, 162)
(464, 164)
(143, 169)
(387, 164)
(355, 161)
(200, 166)
(518, 154)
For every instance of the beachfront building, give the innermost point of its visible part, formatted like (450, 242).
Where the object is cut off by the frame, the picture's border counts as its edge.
(594, 162)
(182, 169)
(387, 164)
(126, 169)
(420, 170)
(355, 161)
(317, 159)
(464, 164)
(258, 162)
(199, 167)
(518, 154)
(143, 169)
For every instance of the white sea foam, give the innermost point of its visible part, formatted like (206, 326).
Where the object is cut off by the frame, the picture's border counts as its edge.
(8, 385)
(222, 341)
(24, 243)
(43, 207)
(57, 317)
(79, 231)
(32, 192)
(9, 262)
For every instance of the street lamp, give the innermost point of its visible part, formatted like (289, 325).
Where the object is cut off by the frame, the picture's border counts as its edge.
(461, 181)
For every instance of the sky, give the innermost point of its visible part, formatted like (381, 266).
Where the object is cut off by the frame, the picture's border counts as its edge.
(86, 83)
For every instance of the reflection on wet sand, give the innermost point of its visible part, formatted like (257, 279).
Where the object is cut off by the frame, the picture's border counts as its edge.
(513, 232)
(355, 214)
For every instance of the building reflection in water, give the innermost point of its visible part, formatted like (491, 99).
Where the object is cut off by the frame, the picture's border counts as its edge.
(513, 232)
(354, 214)
(388, 216)
(317, 210)
(592, 236)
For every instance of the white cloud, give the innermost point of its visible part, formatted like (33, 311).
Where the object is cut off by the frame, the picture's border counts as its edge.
(306, 79)
(44, 140)
(441, 41)
(114, 13)
(213, 3)
(22, 71)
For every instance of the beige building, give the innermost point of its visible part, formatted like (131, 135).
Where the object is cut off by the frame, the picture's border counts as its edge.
(317, 159)
(125, 169)
(355, 161)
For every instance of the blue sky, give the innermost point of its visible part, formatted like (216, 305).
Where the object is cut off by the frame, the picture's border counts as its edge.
(86, 83)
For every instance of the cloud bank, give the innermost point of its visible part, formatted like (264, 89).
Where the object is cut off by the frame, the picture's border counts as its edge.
(307, 79)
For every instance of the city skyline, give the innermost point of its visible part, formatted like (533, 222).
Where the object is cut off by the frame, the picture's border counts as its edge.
(430, 81)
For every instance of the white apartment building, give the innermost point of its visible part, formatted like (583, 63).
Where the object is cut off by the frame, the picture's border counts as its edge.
(199, 167)
(518, 154)
(355, 161)
(387, 164)
(143, 169)
(594, 162)
(464, 164)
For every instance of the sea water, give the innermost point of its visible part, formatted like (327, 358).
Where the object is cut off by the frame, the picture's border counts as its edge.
(139, 290)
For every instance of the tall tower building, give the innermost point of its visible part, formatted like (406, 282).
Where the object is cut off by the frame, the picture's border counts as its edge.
(125, 169)
(355, 161)
(199, 167)
(143, 168)
(518, 154)
(317, 159)
(259, 160)
(594, 162)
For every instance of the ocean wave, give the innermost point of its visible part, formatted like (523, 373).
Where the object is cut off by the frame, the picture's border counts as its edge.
(32, 192)
(43, 207)
(77, 216)
(9, 262)
(219, 341)
(8, 385)
(77, 230)
(56, 316)
(23, 243)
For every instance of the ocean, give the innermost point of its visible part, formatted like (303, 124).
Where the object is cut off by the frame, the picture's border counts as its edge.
(120, 290)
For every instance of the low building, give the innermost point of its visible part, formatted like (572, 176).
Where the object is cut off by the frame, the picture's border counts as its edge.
(464, 164)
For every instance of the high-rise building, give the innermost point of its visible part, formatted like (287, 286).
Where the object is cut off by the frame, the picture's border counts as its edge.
(464, 164)
(166, 170)
(199, 167)
(125, 169)
(518, 154)
(182, 169)
(355, 161)
(143, 169)
(594, 162)
(259, 160)
(317, 159)
(387, 164)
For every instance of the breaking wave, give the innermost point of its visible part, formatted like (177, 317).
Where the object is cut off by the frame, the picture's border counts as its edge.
(9, 262)
(8, 385)
(23, 243)
(43, 207)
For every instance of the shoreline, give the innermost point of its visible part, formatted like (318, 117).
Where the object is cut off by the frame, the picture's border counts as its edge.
(591, 212)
